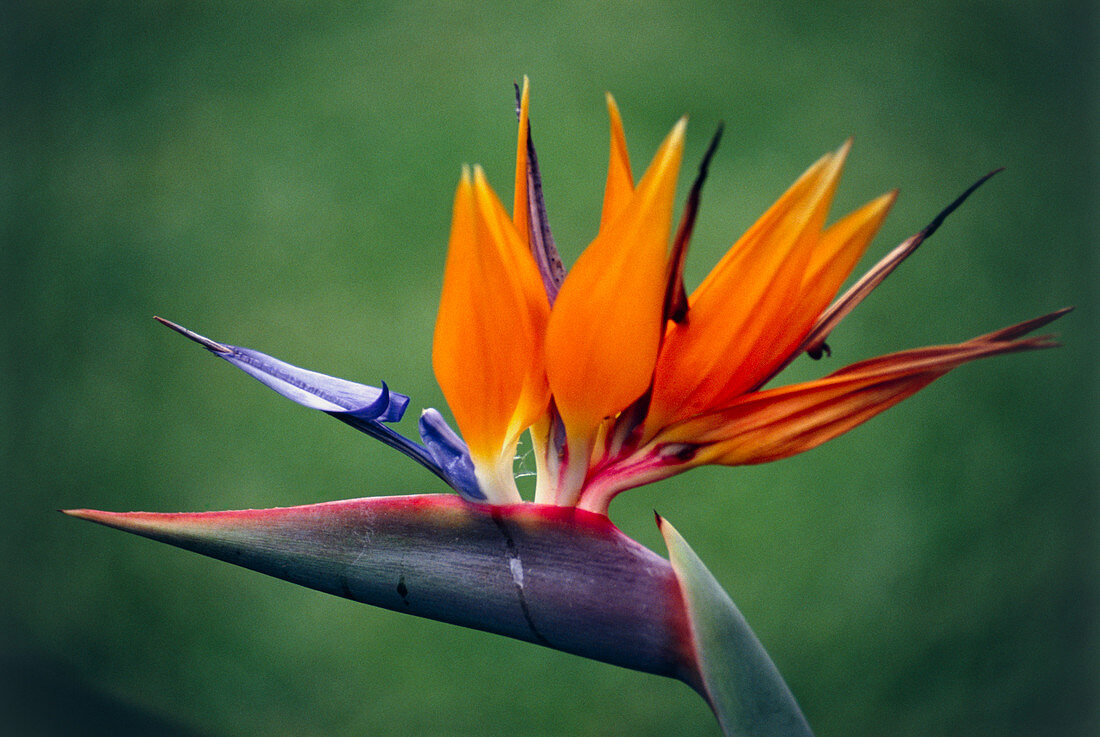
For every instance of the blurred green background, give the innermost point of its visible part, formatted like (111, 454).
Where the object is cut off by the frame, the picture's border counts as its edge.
(279, 176)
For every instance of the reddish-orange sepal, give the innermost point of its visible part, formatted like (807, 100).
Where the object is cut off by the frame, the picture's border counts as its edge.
(488, 347)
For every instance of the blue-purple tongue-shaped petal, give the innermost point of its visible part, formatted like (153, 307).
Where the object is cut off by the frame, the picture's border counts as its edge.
(307, 388)
(451, 453)
(363, 407)
(319, 391)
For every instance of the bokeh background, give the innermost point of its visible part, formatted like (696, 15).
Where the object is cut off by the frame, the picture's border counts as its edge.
(279, 176)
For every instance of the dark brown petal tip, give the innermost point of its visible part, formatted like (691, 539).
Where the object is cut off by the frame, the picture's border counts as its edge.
(676, 301)
(815, 341)
(1023, 328)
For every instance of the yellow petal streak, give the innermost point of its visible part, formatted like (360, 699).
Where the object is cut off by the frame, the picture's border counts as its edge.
(620, 182)
(778, 423)
(604, 332)
(487, 351)
(751, 311)
(520, 203)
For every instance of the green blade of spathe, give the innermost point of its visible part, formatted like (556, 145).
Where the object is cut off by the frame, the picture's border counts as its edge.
(734, 673)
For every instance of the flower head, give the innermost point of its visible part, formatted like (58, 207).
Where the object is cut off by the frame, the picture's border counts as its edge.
(621, 378)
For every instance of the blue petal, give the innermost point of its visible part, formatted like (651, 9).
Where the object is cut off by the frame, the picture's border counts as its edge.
(319, 391)
(363, 407)
(451, 453)
(307, 388)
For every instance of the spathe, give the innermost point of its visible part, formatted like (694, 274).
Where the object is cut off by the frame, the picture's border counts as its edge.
(556, 576)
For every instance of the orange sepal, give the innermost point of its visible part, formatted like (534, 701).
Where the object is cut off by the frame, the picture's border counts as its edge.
(749, 310)
(487, 351)
(605, 328)
(841, 246)
(620, 182)
(778, 423)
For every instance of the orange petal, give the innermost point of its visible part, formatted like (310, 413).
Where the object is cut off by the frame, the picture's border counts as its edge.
(855, 294)
(840, 248)
(774, 424)
(620, 182)
(487, 351)
(842, 245)
(747, 312)
(603, 335)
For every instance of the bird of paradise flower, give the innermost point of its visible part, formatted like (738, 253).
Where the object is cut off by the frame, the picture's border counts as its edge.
(621, 378)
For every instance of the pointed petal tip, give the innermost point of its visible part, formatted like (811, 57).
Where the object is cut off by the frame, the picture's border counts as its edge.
(877, 273)
(674, 142)
(880, 207)
(844, 149)
(836, 161)
(81, 513)
(1018, 330)
(713, 145)
(937, 221)
(127, 521)
(210, 345)
(1051, 317)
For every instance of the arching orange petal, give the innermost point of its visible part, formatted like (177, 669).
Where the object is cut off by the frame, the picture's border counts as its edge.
(839, 250)
(620, 182)
(842, 245)
(855, 294)
(741, 317)
(487, 352)
(778, 423)
(603, 335)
